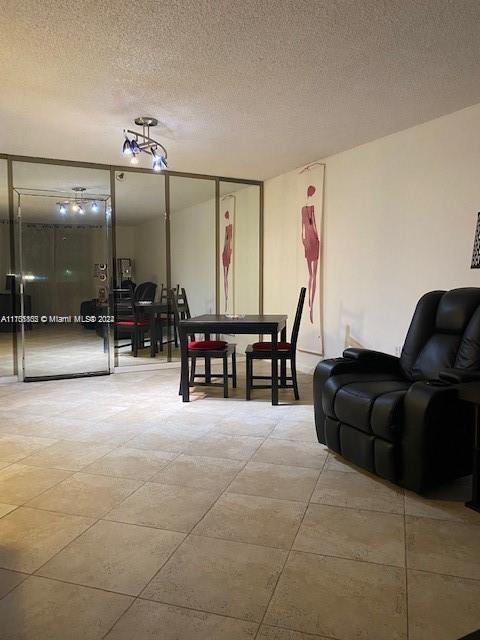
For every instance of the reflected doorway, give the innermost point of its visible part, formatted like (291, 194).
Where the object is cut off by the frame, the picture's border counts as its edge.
(62, 270)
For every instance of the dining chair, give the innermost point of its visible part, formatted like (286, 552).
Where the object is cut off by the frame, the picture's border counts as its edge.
(207, 350)
(286, 351)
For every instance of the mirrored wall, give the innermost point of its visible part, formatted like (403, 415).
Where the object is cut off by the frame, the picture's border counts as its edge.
(105, 247)
(62, 224)
(140, 268)
(239, 251)
(7, 284)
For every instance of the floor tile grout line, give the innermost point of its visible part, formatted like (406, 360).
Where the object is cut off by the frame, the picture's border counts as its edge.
(315, 635)
(344, 506)
(200, 520)
(280, 573)
(87, 529)
(134, 600)
(181, 606)
(406, 566)
(26, 575)
(170, 556)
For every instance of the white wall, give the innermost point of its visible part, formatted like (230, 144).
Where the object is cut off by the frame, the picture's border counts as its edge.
(192, 242)
(125, 241)
(400, 215)
(149, 252)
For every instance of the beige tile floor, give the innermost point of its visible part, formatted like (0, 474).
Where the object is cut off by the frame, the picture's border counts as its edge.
(127, 515)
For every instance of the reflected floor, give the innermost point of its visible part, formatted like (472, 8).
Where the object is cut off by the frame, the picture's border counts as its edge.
(68, 349)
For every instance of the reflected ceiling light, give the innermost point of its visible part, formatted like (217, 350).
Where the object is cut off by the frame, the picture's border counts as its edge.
(136, 143)
(78, 203)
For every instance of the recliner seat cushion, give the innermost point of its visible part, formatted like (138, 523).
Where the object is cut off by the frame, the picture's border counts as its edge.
(372, 403)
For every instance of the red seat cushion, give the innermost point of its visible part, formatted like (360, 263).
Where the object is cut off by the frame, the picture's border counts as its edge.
(131, 323)
(267, 346)
(207, 344)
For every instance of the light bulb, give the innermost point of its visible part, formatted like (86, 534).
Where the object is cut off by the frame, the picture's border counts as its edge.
(81, 210)
(94, 207)
(127, 147)
(134, 159)
(62, 208)
(134, 146)
(75, 207)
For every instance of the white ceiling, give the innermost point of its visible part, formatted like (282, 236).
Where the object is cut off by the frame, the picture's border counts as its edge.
(248, 88)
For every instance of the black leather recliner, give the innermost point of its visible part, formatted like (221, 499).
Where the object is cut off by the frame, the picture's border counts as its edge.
(400, 417)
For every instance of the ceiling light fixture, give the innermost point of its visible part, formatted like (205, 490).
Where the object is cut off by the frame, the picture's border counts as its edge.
(136, 143)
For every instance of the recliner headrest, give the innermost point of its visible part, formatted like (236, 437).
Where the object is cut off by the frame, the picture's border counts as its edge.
(455, 309)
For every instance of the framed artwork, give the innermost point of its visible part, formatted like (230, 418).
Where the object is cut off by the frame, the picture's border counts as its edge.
(310, 192)
(227, 254)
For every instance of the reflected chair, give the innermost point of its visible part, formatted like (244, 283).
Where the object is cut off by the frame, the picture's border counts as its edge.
(166, 320)
(286, 352)
(207, 350)
(130, 320)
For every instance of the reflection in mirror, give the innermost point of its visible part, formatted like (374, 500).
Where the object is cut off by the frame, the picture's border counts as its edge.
(239, 251)
(192, 242)
(141, 272)
(63, 259)
(7, 282)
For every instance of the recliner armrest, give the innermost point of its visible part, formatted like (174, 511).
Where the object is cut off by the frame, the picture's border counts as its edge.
(427, 408)
(457, 376)
(367, 355)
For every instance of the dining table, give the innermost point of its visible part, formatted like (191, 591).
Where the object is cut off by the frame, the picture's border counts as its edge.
(208, 324)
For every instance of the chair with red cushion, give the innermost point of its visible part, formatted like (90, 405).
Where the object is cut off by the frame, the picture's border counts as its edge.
(286, 351)
(208, 350)
(129, 320)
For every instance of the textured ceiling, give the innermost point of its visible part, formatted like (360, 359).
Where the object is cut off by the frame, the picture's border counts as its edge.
(241, 87)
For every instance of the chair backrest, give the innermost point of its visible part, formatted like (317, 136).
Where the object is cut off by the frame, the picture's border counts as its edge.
(182, 302)
(298, 318)
(145, 292)
(444, 333)
(128, 284)
(173, 305)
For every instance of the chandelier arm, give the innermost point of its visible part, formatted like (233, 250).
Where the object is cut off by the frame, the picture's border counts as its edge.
(147, 141)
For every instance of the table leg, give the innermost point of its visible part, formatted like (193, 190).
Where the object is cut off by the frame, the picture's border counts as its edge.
(153, 334)
(283, 362)
(274, 368)
(184, 382)
(474, 503)
(208, 365)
